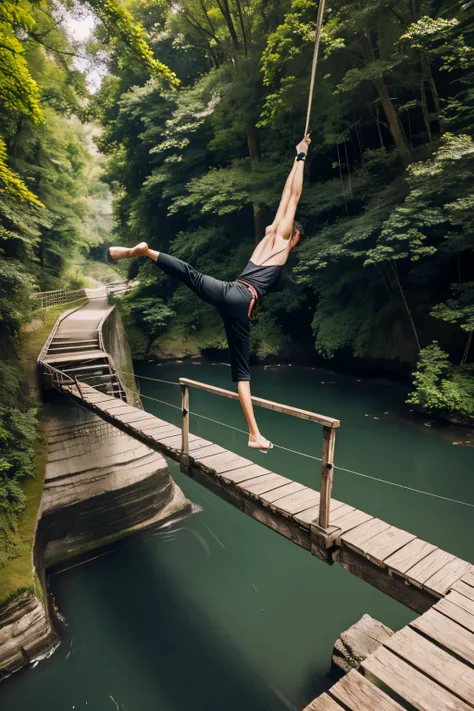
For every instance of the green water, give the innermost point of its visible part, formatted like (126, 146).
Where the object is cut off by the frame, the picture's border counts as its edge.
(219, 612)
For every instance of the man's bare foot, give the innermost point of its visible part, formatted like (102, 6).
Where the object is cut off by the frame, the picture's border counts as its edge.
(140, 250)
(260, 443)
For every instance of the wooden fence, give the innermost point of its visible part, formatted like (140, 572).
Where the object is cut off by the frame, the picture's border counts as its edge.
(60, 296)
(329, 425)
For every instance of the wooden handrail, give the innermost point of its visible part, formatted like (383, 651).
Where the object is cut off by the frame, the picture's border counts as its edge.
(267, 404)
(329, 436)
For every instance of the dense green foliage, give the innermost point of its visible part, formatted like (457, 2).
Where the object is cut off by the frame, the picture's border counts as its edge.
(54, 208)
(387, 266)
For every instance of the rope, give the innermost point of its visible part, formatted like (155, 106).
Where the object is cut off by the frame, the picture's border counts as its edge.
(319, 26)
(314, 458)
(144, 377)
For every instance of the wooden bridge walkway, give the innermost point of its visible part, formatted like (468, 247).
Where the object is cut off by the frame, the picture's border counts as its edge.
(428, 665)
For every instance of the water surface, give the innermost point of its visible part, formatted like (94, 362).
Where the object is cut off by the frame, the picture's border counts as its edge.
(218, 611)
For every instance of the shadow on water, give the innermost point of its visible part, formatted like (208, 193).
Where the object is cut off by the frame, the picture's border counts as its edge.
(137, 640)
(162, 631)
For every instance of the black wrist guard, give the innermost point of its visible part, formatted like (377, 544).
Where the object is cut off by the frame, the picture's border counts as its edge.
(301, 156)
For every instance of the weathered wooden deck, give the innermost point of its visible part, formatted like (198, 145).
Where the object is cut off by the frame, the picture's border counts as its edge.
(428, 665)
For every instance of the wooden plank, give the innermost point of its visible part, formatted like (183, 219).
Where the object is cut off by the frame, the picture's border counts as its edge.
(441, 581)
(138, 416)
(267, 404)
(152, 429)
(439, 665)
(291, 488)
(457, 599)
(244, 474)
(208, 451)
(358, 537)
(386, 543)
(459, 614)
(464, 589)
(310, 514)
(411, 685)
(447, 634)
(222, 464)
(427, 567)
(298, 501)
(410, 555)
(323, 703)
(340, 512)
(349, 522)
(262, 484)
(357, 694)
(469, 578)
(73, 357)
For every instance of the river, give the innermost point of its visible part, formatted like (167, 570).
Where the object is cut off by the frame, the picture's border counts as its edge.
(218, 611)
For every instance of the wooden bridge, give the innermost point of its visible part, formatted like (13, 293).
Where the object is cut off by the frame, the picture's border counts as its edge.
(428, 665)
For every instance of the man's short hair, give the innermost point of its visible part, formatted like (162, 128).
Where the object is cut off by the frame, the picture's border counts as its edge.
(298, 227)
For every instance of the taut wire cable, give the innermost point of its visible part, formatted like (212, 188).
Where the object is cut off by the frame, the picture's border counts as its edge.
(301, 454)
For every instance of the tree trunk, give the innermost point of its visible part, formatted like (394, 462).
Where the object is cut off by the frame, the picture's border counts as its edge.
(467, 349)
(394, 124)
(254, 155)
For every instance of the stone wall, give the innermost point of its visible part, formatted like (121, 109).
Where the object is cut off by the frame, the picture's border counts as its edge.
(100, 486)
(117, 346)
(26, 633)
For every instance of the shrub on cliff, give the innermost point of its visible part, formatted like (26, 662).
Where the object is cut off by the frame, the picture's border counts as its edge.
(441, 387)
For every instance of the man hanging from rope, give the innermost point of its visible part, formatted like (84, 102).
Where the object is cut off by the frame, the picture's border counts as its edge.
(235, 300)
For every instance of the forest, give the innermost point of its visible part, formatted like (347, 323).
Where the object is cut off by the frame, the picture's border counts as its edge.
(188, 141)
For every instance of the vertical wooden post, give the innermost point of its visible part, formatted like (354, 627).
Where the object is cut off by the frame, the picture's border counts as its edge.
(329, 442)
(185, 428)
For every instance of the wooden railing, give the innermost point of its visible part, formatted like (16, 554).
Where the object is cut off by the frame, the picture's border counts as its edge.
(57, 378)
(60, 296)
(329, 425)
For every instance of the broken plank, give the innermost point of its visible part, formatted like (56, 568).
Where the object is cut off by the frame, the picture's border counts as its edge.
(428, 658)
(446, 633)
(409, 684)
(410, 555)
(446, 576)
(386, 543)
(427, 567)
(357, 693)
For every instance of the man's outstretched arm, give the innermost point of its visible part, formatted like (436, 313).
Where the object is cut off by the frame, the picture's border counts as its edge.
(285, 197)
(285, 225)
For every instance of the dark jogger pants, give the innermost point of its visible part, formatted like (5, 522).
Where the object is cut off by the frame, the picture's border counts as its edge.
(231, 299)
